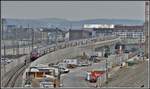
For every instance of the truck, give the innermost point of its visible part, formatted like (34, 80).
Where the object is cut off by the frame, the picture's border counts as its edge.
(95, 74)
(71, 63)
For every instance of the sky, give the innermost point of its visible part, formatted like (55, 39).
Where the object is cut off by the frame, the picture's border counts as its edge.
(73, 10)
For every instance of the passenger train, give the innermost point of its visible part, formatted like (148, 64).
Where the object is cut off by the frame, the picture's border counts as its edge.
(40, 51)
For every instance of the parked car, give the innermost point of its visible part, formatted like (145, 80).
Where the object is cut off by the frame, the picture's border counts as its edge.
(46, 85)
(55, 66)
(64, 70)
(82, 64)
(9, 60)
(6, 60)
(87, 77)
(71, 63)
(27, 85)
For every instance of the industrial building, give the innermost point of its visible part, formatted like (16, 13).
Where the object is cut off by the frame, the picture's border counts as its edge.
(78, 34)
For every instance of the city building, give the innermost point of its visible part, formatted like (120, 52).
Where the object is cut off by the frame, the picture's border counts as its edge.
(131, 32)
(54, 35)
(78, 34)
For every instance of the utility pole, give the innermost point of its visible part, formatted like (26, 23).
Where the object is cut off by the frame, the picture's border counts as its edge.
(140, 44)
(59, 75)
(18, 53)
(107, 52)
(32, 39)
(4, 58)
(0, 45)
(1, 37)
(13, 40)
(106, 70)
(3, 20)
(16, 40)
(146, 29)
(28, 32)
(24, 46)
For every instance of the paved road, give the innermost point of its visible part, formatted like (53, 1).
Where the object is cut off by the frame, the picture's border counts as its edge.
(76, 77)
(134, 76)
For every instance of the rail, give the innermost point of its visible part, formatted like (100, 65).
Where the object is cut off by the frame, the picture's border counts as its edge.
(11, 77)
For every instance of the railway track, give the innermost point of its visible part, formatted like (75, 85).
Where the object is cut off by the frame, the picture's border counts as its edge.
(11, 77)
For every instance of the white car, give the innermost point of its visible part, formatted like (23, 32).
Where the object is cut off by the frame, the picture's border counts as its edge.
(27, 85)
(46, 85)
(9, 60)
(87, 77)
(64, 70)
(6, 60)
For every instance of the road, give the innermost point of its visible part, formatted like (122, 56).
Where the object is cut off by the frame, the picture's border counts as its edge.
(76, 77)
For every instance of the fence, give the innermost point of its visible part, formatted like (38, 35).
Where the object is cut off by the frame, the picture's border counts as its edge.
(101, 80)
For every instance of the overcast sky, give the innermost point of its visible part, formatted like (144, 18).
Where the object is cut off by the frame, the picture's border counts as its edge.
(73, 10)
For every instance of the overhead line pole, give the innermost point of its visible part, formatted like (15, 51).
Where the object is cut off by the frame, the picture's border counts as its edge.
(146, 28)
(32, 38)
(3, 20)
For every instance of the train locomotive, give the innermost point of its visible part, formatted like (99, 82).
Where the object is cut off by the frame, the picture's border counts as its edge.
(34, 55)
(40, 51)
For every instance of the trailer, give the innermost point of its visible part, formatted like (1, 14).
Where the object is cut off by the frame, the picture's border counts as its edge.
(71, 63)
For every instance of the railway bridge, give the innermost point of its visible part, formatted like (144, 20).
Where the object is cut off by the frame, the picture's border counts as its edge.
(73, 49)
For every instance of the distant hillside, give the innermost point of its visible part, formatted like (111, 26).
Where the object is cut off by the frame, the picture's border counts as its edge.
(66, 24)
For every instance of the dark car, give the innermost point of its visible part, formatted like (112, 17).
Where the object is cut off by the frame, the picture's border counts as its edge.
(126, 51)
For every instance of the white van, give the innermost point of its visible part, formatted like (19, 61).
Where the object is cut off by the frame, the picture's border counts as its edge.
(87, 77)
